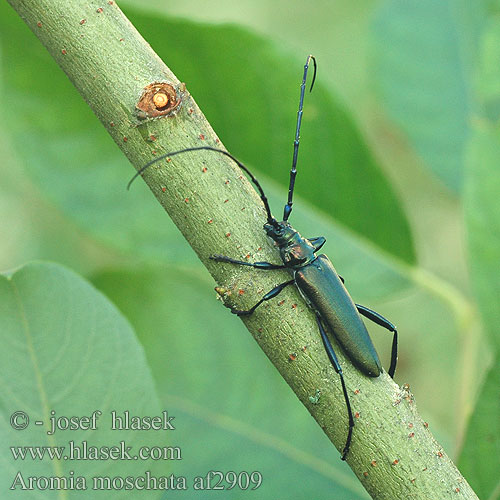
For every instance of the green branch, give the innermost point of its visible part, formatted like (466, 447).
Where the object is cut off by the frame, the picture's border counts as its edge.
(393, 453)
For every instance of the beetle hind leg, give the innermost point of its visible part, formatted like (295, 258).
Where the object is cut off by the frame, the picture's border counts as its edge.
(335, 362)
(381, 321)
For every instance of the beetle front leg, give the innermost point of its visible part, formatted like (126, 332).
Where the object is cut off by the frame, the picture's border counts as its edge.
(381, 321)
(317, 242)
(335, 362)
(269, 295)
(257, 265)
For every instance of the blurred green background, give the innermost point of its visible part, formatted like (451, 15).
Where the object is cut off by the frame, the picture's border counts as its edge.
(397, 167)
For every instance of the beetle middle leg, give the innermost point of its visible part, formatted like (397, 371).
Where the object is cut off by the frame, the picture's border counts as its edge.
(269, 295)
(381, 321)
(335, 362)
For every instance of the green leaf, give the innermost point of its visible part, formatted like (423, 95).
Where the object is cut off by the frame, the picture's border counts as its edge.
(66, 349)
(482, 212)
(422, 59)
(487, 81)
(480, 457)
(254, 110)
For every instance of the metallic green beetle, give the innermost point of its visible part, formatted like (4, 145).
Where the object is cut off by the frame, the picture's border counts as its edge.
(317, 280)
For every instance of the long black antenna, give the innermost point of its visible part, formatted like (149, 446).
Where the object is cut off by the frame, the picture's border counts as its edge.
(293, 171)
(263, 197)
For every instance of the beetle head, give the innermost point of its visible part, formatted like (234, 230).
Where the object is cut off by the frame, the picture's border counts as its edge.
(280, 232)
